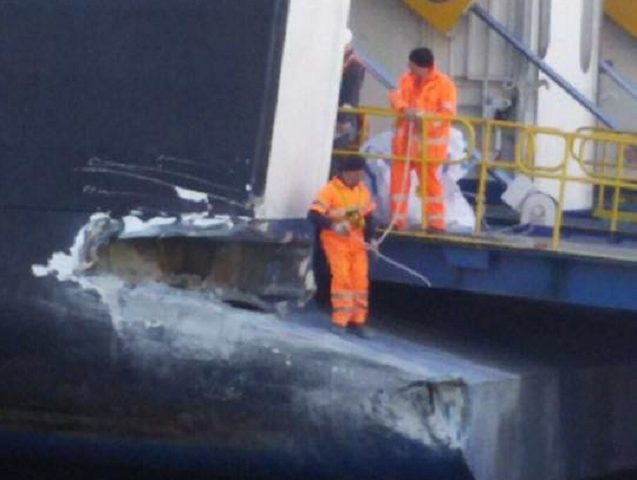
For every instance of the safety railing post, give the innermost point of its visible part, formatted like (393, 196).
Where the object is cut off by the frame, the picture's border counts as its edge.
(482, 179)
(601, 189)
(559, 210)
(424, 158)
(619, 174)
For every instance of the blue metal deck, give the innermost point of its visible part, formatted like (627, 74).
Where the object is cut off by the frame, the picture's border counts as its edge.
(587, 270)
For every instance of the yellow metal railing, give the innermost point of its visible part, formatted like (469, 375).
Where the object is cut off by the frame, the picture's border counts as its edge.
(609, 164)
(590, 157)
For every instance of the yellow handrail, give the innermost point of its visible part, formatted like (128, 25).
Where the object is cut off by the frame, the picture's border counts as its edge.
(585, 158)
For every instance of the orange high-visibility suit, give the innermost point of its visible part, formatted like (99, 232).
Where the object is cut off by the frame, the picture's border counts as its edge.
(346, 255)
(435, 95)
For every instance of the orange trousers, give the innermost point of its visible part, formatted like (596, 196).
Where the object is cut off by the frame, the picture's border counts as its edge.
(349, 269)
(433, 210)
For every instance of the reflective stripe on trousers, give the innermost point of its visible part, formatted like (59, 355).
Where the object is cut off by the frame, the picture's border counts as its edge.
(349, 282)
(361, 307)
(433, 205)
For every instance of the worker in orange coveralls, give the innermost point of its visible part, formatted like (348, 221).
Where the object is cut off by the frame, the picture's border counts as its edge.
(342, 211)
(421, 90)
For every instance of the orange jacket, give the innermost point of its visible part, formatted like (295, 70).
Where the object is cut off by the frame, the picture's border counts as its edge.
(436, 95)
(339, 202)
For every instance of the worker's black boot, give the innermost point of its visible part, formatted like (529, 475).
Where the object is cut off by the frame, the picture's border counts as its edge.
(361, 331)
(337, 329)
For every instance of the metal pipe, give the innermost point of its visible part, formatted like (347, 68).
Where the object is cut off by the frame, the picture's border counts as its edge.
(542, 65)
(373, 67)
(607, 68)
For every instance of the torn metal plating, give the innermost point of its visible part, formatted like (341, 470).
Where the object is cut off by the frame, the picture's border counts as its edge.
(262, 264)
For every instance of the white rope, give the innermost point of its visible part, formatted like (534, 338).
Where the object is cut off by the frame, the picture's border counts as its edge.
(374, 249)
(403, 187)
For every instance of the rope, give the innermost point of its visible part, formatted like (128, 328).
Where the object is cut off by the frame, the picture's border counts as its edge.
(374, 249)
(403, 187)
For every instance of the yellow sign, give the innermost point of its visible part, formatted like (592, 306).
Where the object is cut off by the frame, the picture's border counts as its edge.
(440, 14)
(624, 13)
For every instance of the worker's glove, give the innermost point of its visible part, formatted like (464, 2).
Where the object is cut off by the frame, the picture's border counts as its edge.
(341, 228)
(412, 114)
(336, 214)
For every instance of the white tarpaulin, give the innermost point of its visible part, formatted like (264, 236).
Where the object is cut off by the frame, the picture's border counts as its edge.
(458, 213)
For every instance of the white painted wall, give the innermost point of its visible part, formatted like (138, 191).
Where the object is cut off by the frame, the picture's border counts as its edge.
(555, 107)
(306, 109)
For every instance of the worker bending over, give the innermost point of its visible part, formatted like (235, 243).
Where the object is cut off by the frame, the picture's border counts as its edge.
(342, 211)
(422, 90)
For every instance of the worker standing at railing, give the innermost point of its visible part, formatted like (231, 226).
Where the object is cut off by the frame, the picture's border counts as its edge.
(422, 90)
(349, 126)
(342, 211)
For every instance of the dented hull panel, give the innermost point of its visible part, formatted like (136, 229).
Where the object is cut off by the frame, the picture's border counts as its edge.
(177, 371)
